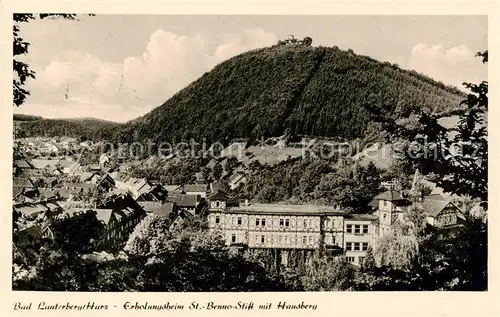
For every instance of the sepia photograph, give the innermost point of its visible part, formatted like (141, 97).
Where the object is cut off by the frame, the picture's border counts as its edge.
(249, 153)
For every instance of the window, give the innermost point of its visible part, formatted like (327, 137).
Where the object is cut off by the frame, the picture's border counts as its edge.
(256, 239)
(385, 203)
(239, 221)
(310, 240)
(217, 204)
(310, 223)
(287, 222)
(348, 246)
(349, 229)
(305, 223)
(304, 240)
(217, 219)
(262, 239)
(257, 222)
(365, 228)
(385, 216)
(263, 222)
(281, 222)
(357, 229)
(233, 238)
(327, 223)
(361, 259)
(365, 246)
(279, 239)
(350, 259)
(286, 239)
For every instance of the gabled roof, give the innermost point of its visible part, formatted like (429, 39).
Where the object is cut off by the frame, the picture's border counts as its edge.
(433, 204)
(218, 196)
(165, 210)
(185, 200)
(16, 191)
(195, 188)
(104, 215)
(390, 195)
(22, 163)
(172, 188)
(22, 182)
(236, 177)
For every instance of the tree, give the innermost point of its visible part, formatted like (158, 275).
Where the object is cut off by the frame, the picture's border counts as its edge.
(328, 274)
(20, 46)
(456, 158)
(217, 171)
(148, 236)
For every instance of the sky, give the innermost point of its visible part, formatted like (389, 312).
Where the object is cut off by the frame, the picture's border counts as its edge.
(119, 67)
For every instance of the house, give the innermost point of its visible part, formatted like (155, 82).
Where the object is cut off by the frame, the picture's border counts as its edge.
(180, 218)
(172, 190)
(359, 235)
(166, 210)
(106, 183)
(200, 190)
(236, 180)
(104, 160)
(45, 163)
(150, 206)
(391, 205)
(440, 212)
(32, 235)
(187, 202)
(89, 178)
(23, 164)
(119, 219)
(70, 168)
(155, 193)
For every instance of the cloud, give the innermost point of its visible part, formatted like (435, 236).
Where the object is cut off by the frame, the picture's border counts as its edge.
(80, 84)
(452, 66)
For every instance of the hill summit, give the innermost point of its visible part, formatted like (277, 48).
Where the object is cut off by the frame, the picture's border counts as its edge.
(297, 89)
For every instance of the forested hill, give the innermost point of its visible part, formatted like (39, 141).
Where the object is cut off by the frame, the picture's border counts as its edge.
(88, 128)
(296, 89)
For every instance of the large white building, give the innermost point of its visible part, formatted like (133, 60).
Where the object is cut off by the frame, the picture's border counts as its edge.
(285, 227)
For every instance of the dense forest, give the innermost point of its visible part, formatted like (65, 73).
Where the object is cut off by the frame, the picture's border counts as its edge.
(83, 128)
(290, 88)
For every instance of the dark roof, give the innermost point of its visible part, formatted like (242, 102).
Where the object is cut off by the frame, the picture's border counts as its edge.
(195, 188)
(434, 204)
(218, 196)
(362, 217)
(22, 164)
(16, 191)
(22, 183)
(390, 195)
(166, 210)
(185, 200)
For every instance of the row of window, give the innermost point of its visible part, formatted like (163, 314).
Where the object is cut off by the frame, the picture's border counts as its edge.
(280, 239)
(262, 222)
(357, 229)
(356, 246)
(352, 259)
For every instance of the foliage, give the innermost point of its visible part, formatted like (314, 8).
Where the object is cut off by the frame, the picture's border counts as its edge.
(147, 237)
(77, 234)
(397, 251)
(85, 128)
(297, 88)
(456, 158)
(328, 274)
